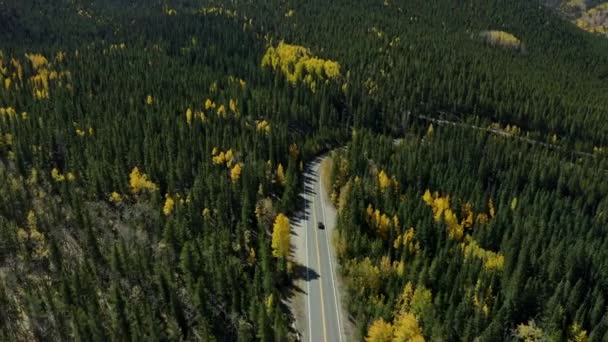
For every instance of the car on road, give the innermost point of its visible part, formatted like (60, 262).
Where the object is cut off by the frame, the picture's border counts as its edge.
(321, 225)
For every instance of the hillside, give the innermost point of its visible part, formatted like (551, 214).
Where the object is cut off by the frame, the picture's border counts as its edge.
(152, 152)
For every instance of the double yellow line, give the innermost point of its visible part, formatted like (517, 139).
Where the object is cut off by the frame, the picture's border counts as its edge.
(314, 216)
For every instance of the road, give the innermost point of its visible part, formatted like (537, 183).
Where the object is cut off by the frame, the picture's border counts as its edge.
(321, 318)
(500, 132)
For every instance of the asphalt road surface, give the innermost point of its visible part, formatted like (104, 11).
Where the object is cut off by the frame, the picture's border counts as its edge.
(322, 319)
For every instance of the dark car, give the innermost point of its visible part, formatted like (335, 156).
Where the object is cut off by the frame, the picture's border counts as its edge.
(321, 225)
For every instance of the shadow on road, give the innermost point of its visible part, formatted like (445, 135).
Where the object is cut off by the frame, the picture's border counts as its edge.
(304, 273)
(299, 272)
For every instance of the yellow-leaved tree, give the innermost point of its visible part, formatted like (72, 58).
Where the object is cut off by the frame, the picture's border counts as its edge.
(406, 329)
(577, 333)
(209, 104)
(189, 116)
(115, 197)
(235, 173)
(529, 332)
(379, 331)
(139, 181)
(281, 174)
(233, 107)
(169, 205)
(280, 237)
(221, 111)
(383, 180)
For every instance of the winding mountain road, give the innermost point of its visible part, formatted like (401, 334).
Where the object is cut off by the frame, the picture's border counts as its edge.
(320, 317)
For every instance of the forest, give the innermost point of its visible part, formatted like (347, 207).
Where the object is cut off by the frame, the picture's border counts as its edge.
(152, 153)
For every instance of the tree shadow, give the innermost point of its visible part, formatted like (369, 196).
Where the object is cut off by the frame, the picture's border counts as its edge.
(289, 293)
(302, 272)
(300, 220)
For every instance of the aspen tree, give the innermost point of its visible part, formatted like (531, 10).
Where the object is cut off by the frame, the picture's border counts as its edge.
(281, 237)
(379, 331)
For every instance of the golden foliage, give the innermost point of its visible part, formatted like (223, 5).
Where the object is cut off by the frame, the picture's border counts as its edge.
(221, 111)
(59, 177)
(281, 237)
(379, 331)
(233, 106)
(169, 205)
(139, 181)
(229, 156)
(34, 239)
(60, 57)
(189, 116)
(482, 298)
(149, 100)
(209, 104)
(220, 11)
(530, 332)
(441, 208)
(406, 328)
(399, 267)
(298, 64)
(220, 157)
(206, 213)
(379, 221)
(280, 174)
(428, 198)
(235, 173)
(8, 113)
(514, 203)
(491, 260)
(56, 175)
(577, 333)
(383, 180)
(115, 198)
(456, 230)
(38, 61)
(501, 38)
(364, 275)
(31, 220)
(251, 257)
(469, 219)
(407, 240)
(262, 126)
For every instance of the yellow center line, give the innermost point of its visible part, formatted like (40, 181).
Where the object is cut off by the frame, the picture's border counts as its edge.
(314, 216)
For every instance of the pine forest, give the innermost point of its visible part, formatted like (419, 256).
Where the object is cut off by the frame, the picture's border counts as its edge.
(154, 157)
